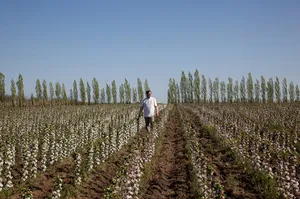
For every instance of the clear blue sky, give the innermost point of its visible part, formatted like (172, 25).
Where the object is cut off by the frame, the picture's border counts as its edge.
(65, 40)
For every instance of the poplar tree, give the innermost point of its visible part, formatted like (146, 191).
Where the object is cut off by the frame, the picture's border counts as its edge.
(51, 92)
(197, 85)
(203, 89)
(216, 90)
(230, 90)
(64, 94)
(263, 89)
(134, 95)
(57, 90)
(284, 90)
(236, 91)
(128, 91)
(250, 88)
(183, 89)
(2, 87)
(223, 91)
(277, 90)
(121, 93)
(108, 93)
(297, 93)
(38, 89)
(114, 91)
(82, 91)
(147, 88)
(191, 88)
(140, 89)
(270, 90)
(71, 96)
(243, 90)
(20, 90)
(88, 92)
(102, 96)
(95, 91)
(45, 92)
(75, 92)
(210, 86)
(257, 90)
(292, 92)
(172, 93)
(178, 93)
(13, 93)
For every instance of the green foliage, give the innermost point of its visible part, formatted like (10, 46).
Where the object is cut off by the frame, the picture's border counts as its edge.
(277, 90)
(183, 88)
(64, 94)
(2, 87)
(172, 91)
(284, 90)
(51, 92)
(122, 93)
(146, 85)
(223, 91)
(114, 91)
(292, 92)
(96, 91)
(197, 85)
(270, 90)
(140, 89)
(203, 89)
(257, 91)
(236, 91)
(128, 91)
(38, 90)
(134, 95)
(230, 90)
(57, 90)
(45, 94)
(75, 92)
(13, 92)
(243, 90)
(102, 96)
(88, 93)
(82, 91)
(108, 93)
(297, 93)
(263, 89)
(210, 86)
(20, 90)
(216, 90)
(250, 88)
(190, 86)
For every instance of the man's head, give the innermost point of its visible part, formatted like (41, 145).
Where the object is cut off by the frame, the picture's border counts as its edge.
(148, 93)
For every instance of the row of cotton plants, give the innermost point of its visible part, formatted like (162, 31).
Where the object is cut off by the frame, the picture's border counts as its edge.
(42, 137)
(270, 149)
(206, 184)
(127, 181)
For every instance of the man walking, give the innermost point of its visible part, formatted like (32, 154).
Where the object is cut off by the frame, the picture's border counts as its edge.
(150, 107)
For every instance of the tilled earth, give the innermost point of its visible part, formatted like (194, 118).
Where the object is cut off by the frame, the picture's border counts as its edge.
(171, 178)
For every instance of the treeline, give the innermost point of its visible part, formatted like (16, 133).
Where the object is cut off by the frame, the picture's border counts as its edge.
(82, 93)
(193, 88)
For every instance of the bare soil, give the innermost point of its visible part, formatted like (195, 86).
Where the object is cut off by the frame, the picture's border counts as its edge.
(171, 175)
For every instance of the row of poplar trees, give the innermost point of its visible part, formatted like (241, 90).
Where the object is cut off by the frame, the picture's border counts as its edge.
(193, 88)
(88, 94)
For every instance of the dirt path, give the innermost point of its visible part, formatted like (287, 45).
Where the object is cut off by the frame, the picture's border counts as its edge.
(171, 178)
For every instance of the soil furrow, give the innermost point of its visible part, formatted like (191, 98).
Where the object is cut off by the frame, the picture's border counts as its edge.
(171, 178)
